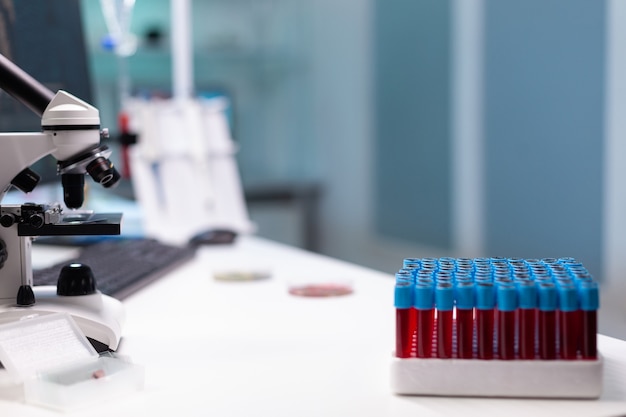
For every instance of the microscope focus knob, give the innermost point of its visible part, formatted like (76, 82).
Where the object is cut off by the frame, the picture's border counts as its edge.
(76, 279)
(7, 220)
(36, 220)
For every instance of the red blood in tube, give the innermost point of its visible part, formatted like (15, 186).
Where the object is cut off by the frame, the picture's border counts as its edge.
(568, 320)
(506, 334)
(484, 333)
(485, 316)
(589, 337)
(548, 301)
(547, 334)
(579, 318)
(424, 342)
(405, 329)
(569, 326)
(527, 330)
(507, 302)
(444, 334)
(444, 304)
(465, 333)
(589, 305)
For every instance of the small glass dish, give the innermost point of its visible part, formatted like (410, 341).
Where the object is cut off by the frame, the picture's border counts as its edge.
(320, 287)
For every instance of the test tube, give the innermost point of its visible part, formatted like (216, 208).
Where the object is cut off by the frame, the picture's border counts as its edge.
(423, 303)
(465, 319)
(569, 323)
(527, 318)
(444, 303)
(403, 275)
(547, 295)
(411, 263)
(589, 304)
(485, 304)
(507, 304)
(405, 318)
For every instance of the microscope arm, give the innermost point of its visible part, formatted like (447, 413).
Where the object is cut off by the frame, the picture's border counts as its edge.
(23, 87)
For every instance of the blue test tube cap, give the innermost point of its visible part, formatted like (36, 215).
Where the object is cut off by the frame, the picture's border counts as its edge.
(507, 297)
(411, 263)
(548, 296)
(447, 260)
(499, 276)
(425, 281)
(463, 278)
(444, 296)
(567, 260)
(579, 271)
(483, 276)
(463, 269)
(527, 294)
(503, 281)
(539, 270)
(550, 261)
(521, 274)
(432, 262)
(568, 297)
(403, 295)
(583, 277)
(589, 296)
(485, 295)
(498, 259)
(572, 267)
(465, 295)
(444, 275)
(426, 272)
(403, 275)
(424, 296)
(563, 281)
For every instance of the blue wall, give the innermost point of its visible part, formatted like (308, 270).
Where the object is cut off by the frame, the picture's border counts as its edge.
(412, 119)
(544, 64)
(544, 81)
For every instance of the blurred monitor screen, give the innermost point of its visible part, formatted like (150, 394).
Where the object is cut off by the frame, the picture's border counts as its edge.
(45, 38)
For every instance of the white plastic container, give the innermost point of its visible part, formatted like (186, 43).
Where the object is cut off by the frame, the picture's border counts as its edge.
(53, 364)
(497, 378)
(84, 384)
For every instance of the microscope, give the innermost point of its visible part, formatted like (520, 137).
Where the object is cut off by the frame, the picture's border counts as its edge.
(71, 134)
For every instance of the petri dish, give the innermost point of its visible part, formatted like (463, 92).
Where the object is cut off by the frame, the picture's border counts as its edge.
(321, 288)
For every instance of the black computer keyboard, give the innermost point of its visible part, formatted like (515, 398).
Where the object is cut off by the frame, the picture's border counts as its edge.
(122, 266)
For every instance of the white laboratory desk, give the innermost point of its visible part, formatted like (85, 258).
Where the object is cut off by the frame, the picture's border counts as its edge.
(213, 348)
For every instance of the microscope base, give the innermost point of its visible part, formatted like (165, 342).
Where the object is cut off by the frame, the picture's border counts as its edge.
(99, 316)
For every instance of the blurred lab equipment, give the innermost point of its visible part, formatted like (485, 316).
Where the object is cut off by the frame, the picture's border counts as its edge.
(183, 169)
